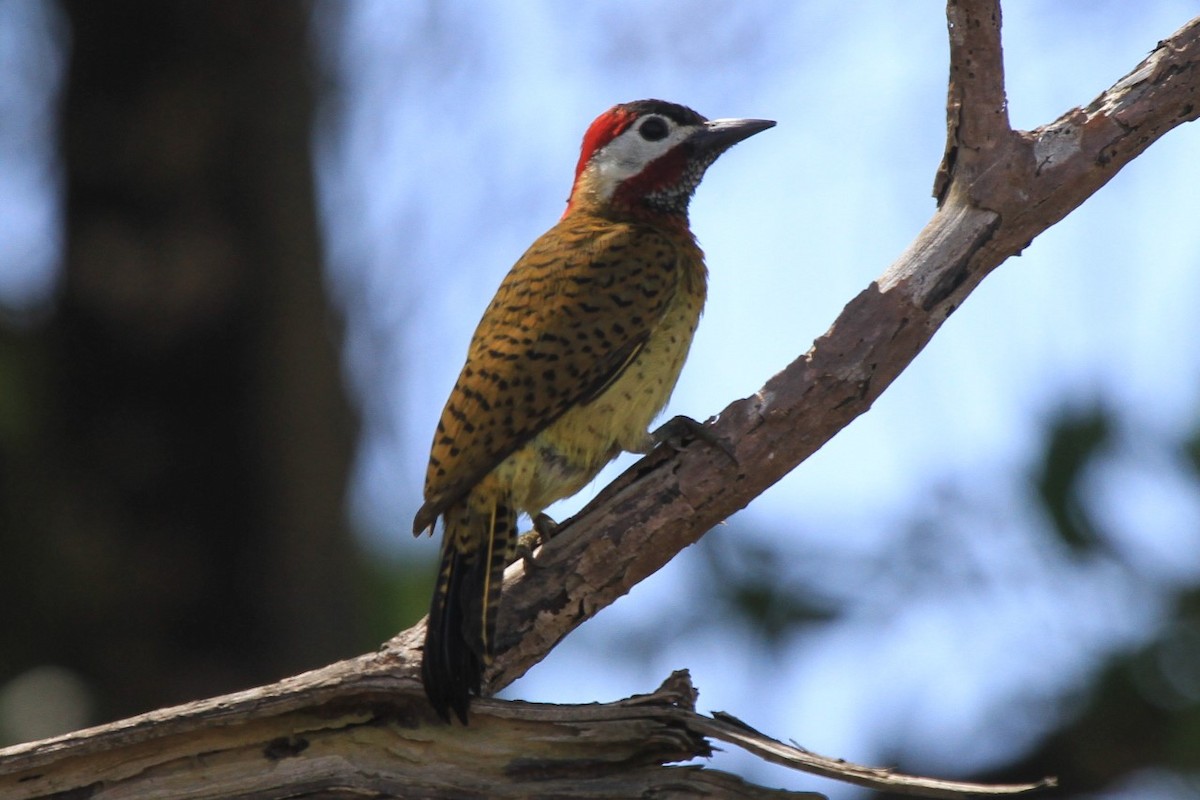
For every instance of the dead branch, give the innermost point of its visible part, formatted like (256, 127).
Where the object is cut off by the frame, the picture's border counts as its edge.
(355, 729)
(998, 189)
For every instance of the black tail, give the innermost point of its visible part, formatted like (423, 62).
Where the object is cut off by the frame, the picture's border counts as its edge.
(461, 631)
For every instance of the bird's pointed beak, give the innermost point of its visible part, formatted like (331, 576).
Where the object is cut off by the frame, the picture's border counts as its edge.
(720, 134)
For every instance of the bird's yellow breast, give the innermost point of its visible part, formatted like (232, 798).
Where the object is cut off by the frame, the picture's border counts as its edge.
(561, 459)
(577, 353)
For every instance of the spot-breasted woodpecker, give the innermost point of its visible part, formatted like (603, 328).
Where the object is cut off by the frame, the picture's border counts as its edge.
(575, 356)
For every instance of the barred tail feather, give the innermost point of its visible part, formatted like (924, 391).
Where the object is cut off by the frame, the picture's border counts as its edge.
(461, 632)
(450, 670)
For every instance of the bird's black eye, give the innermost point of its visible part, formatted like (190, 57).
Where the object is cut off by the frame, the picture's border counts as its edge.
(653, 129)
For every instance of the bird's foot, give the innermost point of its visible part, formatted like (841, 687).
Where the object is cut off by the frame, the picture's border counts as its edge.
(675, 432)
(544, 529)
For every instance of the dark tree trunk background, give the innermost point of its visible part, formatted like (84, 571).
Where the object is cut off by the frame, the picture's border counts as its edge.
(173, 522)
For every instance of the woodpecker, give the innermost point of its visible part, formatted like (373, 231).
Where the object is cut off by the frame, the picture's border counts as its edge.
(575, 356)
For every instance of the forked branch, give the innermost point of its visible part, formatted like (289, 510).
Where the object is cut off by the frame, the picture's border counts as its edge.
(1001, 189)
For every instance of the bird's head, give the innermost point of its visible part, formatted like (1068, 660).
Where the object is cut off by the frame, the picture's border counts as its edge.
(647, 157)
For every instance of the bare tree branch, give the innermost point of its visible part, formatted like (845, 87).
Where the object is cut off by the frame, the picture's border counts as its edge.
(362, 727)
(976, 106)
(348, 730)
(997, 198)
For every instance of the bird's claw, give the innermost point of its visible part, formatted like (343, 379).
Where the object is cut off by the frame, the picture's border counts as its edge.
(675, 431)
(543, 531)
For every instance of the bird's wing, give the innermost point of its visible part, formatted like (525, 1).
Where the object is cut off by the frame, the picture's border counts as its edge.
(568, 319)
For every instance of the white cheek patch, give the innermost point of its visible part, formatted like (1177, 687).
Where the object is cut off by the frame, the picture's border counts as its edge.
(627, 155)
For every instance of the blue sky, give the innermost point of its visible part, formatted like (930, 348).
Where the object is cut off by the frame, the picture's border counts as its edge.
(452, 149)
